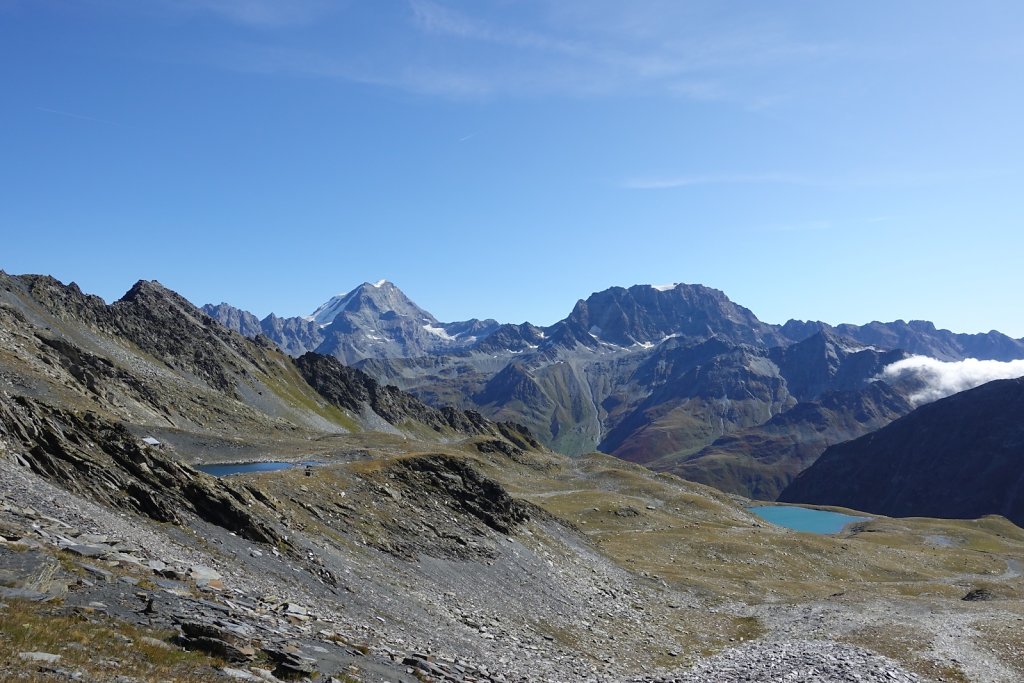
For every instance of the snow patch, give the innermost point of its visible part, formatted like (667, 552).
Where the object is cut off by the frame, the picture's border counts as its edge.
(856, 348)
(665, 288)
(852, 348)
(437, 331)
(380, 283)
(327, 312)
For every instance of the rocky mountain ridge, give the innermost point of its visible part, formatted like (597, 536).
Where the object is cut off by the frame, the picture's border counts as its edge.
(626, 317)
(651, 374)
(155, 361)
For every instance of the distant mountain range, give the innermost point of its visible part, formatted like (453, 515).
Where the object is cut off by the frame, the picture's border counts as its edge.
(959, 457)
(679, 377)
(379, 321)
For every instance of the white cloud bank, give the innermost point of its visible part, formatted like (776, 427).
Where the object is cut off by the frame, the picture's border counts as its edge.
(938, 379)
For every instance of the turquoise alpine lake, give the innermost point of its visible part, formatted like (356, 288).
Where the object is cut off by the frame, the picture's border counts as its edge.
(230, 468)
(805, 519)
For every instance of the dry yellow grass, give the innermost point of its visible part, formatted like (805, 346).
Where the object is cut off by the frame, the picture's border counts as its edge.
(100, 648)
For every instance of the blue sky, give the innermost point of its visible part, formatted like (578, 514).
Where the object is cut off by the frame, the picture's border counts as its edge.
(498, 158)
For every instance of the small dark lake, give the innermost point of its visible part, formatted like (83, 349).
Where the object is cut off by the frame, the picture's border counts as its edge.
(805, 519)
(226, 469)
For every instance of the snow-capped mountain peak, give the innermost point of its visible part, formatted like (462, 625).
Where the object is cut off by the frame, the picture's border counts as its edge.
(329, 310)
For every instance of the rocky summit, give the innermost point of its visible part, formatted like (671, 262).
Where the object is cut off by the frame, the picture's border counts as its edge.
(360, 532)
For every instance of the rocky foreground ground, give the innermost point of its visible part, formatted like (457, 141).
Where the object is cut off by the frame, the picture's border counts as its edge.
(803, 660)
(245, 621)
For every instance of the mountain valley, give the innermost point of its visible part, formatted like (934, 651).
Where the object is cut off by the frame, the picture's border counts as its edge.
(421, 541)
(678, 378)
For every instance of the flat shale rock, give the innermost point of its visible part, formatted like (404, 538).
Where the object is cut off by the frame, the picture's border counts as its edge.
(809, 661)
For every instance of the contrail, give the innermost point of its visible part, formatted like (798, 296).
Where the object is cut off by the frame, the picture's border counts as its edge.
(70, 115)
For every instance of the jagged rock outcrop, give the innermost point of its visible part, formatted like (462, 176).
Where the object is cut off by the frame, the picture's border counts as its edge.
(242, 322)
(294, 336)
(444, 507)
(158, 321)
(461, 486)
(165, 325)
(97, 374)
(87, 454)
(353, 389)
(65, 302)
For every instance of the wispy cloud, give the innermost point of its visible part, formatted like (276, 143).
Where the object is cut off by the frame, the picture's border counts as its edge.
(289, 61)
(257, 13)
(500, 49)
(435, 18)
(595, 58)
(861, 179)
(669, 183)
(937, 379)
(254, 14)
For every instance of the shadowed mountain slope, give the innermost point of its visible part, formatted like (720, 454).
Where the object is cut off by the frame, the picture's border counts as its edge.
(960, 457)
(760, 461)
